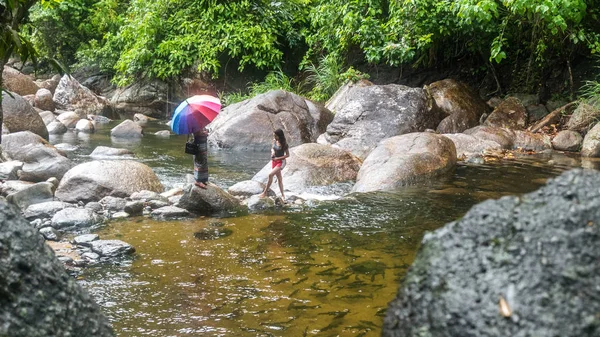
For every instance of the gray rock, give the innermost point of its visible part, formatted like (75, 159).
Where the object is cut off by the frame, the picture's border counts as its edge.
(94, 180)
(75, 217)
(85, 126)
(154, 204)
(537, 252)
(113, 204)
(567, 140)
(111, 248)
(105, 151)
(208, 201)
(94, 206)
(71, 95)
(591, 142)
(48, 117)
(405, 160)
(135, 207)
(65, 147)
(250, 124)
(246, 188)
(19, 115)
(504, 137)
(257, 204)
(146, 196)
(468, 146)
(367, 115)
(45, 210)
(85, 239)
(50, 233)
(90, 256)
(12, 186)
(127, 129)
(583, 118)
(69, 119)
(169, 212)
(41, 160)
(33, 194)
(38, 297)
(120, 215)
(147, 97)
(314, 165)
(8, 170)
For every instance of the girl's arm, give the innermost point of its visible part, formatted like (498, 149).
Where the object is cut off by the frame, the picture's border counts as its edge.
(286, 155)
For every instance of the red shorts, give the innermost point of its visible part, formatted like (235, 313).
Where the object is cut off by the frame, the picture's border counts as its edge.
(280, 163)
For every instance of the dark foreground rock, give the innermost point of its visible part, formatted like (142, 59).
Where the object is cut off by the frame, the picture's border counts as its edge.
(537, 254)
(37, 296)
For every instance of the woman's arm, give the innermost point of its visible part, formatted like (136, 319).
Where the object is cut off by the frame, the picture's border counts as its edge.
(285, 155)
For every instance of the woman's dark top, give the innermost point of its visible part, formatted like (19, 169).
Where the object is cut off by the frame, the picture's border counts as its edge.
(279, 150)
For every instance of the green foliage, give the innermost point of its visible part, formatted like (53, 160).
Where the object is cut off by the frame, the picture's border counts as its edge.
(590, 91)
(326, 78)
(275, 80)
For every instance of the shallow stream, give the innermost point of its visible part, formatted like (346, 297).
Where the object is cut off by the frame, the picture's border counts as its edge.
(328, 268)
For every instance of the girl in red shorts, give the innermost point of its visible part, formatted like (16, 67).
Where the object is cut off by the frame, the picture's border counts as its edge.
(279, 152)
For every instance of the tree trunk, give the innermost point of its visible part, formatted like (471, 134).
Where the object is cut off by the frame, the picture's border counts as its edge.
(2, 63)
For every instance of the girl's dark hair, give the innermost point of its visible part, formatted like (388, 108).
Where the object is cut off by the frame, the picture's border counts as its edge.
(281, 138)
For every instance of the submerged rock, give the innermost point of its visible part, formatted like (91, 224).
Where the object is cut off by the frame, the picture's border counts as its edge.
(517, 266)
(207, 201)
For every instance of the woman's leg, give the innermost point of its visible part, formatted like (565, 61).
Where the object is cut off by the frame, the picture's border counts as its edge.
(270, 181)
(280, 181)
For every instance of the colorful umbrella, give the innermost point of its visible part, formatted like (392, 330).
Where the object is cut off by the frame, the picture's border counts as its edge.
(195, 113)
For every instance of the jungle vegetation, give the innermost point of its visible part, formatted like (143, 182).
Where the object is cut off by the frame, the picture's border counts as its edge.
(312, 46)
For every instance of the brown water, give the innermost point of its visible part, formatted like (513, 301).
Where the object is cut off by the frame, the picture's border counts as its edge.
(324, 269)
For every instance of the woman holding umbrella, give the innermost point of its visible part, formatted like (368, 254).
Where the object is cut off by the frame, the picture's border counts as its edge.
(201, 159)
(191, 117)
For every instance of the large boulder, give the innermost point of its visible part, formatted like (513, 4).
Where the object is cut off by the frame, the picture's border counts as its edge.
(368, 114)
(250, 124)
(19, 115)
(468, 146)
(38, 297)
(44, 100)
(404, 160)
(41, 160)
(510, 114)
(211, 200)
(71, 95)
(148, 98)
(15, 81)
(33, 194)
(567, 140)
(459, 102)
(591, 143)
(127, 129)
(517, 266)
(313, 165)
(94, 180)
(504, 137)
(583, 118)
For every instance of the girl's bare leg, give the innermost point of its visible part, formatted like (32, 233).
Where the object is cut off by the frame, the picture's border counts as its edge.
(280, 181)
(270, 181)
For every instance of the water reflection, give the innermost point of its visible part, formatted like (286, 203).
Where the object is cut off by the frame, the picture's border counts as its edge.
(326, 269)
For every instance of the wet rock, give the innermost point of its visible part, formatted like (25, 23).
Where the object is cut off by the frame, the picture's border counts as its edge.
(127, 129)
(169, 212)
(537, 253)
(212, 233)
(111, 248)
(85, 239)
(45, 210)
(85, 126)
(207, 201)
(163, 133)
(56, 128)
(50, 233)
(94, 180)
(135, 207)
(405, 160)
(105, 151)
(567, 140)
(510, 114)
(256, 204)
(38, 297)
(75, 218)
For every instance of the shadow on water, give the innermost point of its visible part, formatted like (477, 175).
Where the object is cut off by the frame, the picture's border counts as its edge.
(328, 269)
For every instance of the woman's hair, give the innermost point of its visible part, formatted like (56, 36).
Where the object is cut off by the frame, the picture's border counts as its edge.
(281, 138)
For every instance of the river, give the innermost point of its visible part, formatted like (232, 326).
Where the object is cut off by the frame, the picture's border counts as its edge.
(327, 268)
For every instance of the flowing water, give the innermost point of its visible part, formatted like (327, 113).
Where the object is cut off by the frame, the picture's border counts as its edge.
(327, 268)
